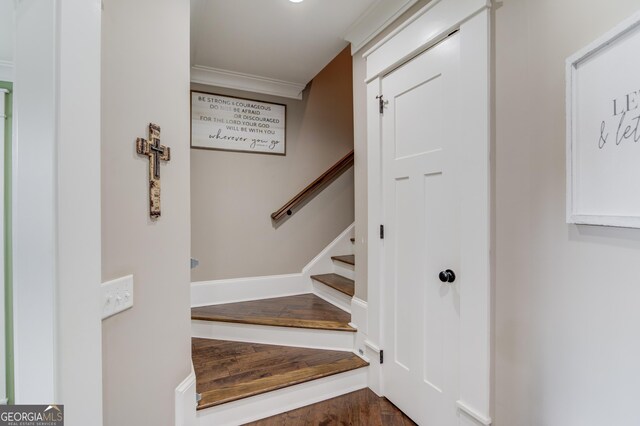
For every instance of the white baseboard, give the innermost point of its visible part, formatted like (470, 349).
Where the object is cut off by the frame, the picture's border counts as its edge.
(359, 314)
(282, 400)
(365, 347)
(322, 263)
(284, 336)
(374, 377)
(186, 401)
(204, 293)
(216, 292)
(359, 321)
(472, 417)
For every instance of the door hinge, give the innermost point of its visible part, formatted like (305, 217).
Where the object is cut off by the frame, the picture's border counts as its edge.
(381, 356)
(382, 232)
(381, 103)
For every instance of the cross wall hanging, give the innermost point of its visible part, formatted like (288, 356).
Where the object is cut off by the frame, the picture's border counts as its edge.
(156, 153)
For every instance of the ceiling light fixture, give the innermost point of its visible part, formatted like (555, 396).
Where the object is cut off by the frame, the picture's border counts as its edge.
(295, 1)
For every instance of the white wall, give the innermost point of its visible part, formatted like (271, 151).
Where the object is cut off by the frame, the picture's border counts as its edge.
(34, 202)
(145, 78)
(567, 317)
(56, 207)
(7, 40)
(78, 331)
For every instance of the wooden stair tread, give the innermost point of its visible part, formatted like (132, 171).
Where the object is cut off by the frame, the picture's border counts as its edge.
(362, 407)
(227, 371)
(302, 311)
(338, 282)
(349, 259)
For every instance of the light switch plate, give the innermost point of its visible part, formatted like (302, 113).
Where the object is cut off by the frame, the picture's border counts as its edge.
(117, 296)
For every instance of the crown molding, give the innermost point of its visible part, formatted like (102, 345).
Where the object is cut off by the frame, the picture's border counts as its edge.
(6, 71)
(374, 20)
(250, 83)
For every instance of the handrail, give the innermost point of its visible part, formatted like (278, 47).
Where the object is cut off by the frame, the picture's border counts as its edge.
(310, 191)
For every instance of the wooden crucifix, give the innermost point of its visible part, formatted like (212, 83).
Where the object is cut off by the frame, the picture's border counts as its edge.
(156, 153)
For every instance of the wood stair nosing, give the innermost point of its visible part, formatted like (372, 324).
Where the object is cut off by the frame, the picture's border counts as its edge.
(228, 371)
(338, 282)
(349, 259)
(301, 311)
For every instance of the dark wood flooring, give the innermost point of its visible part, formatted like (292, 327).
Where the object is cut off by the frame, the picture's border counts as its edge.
(349, 259)
(360, 408)
(337, 282)
(227, 371)
(303, 311)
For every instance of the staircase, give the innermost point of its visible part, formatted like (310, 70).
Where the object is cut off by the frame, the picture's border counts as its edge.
(257, 357)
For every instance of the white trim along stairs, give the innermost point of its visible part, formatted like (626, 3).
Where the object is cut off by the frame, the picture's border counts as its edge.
(228, 311)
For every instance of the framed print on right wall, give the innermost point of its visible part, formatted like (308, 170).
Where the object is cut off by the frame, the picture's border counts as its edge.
(603, 129)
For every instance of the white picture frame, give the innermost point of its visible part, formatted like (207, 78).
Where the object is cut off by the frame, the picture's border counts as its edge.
(603, 129)
(228, 123)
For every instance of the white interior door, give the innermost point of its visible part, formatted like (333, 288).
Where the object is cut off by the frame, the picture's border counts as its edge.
(421, 141)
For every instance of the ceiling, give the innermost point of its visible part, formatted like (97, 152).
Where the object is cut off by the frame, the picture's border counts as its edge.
(271, 39)
(265, 46)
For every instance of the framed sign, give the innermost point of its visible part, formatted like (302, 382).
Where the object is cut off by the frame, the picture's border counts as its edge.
(603, 130)
(235, 124)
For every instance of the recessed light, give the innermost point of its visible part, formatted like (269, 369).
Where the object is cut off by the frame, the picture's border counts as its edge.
(295, 1)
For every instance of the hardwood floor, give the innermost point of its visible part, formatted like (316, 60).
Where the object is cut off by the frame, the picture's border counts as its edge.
(337, 282)
(303, 311)
(227, 371)
(349, 259)
(360, 408)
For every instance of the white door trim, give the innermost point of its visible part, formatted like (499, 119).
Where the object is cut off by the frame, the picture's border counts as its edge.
(430, 25)
(56, 209)
(186, 402)
(3, 370)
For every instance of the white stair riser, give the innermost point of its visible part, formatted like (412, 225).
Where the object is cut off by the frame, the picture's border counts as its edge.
(344, 269)
(332, 296)
(282, 400)
(283, 336)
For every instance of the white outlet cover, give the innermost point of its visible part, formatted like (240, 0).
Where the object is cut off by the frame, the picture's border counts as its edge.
(117, 296)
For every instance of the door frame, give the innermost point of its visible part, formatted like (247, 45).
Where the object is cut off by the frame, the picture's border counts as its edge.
(56, 207)
(427, 27)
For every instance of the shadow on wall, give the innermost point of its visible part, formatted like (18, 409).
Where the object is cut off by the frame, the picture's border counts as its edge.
(615, 237)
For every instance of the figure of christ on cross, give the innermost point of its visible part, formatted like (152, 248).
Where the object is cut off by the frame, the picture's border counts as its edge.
(156, 153)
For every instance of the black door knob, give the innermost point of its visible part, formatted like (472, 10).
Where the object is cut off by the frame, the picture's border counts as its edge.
(447, 276)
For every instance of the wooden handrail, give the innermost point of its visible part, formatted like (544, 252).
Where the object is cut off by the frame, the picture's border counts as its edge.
(311, 190)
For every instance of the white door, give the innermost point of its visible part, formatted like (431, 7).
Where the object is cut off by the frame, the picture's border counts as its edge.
(421, 142)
